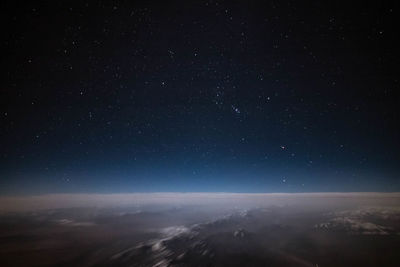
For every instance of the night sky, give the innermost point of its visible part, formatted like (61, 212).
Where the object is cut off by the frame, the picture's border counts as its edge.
(199, 96)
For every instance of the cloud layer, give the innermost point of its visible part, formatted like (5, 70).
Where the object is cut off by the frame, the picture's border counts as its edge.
(53, 201)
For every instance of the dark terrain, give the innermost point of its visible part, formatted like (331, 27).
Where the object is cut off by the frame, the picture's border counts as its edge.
(295, 233)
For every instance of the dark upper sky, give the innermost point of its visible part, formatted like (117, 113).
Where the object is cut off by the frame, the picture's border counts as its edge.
(227, 96)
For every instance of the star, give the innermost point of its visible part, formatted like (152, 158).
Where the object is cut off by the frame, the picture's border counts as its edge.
(235, 109)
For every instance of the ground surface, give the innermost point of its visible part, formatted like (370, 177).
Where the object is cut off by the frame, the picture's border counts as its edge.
(316, 231)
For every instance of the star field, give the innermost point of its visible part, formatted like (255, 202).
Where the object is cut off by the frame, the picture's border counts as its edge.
(120, 96)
